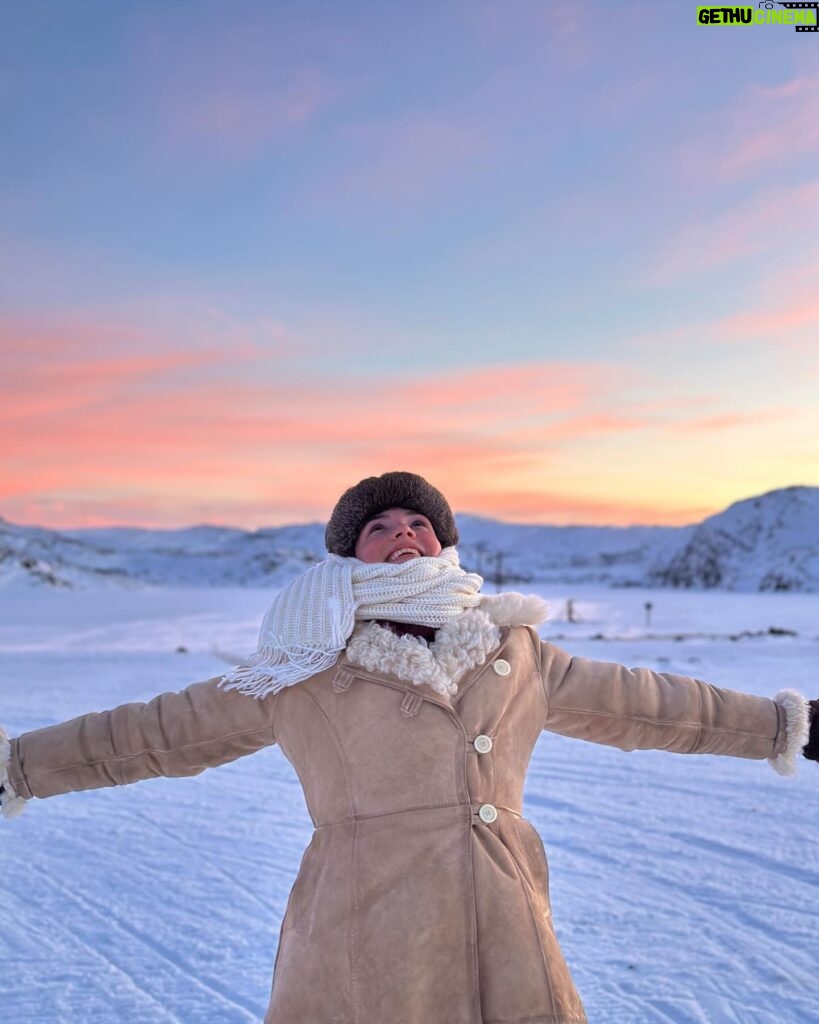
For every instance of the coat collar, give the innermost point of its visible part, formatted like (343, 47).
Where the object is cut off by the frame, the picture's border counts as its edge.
(459, 645)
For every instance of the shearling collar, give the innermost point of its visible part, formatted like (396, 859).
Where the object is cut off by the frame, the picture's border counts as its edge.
(458, 646)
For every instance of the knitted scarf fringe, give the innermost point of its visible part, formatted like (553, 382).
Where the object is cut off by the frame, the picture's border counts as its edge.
(270, 669)
(308, 624)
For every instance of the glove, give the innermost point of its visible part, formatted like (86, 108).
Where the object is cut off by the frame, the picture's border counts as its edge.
(811, 748)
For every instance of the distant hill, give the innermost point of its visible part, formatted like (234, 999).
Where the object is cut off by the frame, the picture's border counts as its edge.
(765, 543)
(770, 542)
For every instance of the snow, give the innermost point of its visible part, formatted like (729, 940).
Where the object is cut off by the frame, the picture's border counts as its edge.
(770, 542)
(765, 543)
(685, 889)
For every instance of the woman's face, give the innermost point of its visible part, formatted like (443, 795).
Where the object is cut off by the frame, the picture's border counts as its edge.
(396, 535)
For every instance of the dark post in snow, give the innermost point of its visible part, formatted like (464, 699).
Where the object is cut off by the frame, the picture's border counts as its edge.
(648, 606)
(498, 577)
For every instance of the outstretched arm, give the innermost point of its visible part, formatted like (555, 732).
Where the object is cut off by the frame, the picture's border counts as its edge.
(174, 734)
(640, 708)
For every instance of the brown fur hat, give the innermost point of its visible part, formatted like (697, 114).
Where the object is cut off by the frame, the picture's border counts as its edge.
(376, 494)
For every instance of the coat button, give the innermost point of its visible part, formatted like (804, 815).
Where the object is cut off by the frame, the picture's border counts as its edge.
(483, 744)
(503, 668)
(487, 813)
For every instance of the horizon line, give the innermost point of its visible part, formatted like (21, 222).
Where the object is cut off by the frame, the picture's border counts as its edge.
(472, 514)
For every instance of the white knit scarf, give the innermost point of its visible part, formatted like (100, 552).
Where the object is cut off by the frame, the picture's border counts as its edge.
(309, 622)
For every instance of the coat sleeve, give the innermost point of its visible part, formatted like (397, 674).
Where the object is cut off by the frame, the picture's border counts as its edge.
(637, 708)
(174, 734)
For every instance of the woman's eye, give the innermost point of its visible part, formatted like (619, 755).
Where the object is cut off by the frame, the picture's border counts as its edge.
(376, 526)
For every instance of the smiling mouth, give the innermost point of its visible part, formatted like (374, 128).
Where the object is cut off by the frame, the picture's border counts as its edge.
(403, 551)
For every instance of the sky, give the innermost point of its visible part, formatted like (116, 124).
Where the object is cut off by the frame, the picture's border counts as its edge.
(561, 258)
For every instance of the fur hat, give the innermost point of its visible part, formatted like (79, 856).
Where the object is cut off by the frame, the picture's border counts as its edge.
(359, 504)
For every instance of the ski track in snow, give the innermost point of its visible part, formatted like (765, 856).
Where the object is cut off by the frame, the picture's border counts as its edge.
(90, 914)
(685, 889)
(190, 848)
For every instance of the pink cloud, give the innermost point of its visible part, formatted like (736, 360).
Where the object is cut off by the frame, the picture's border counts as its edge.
(729, 421)
(778, 216)
(183, 436)
(238, 121)
(598, 424)
(51, 369)
(409, 158)
(548, 386)
(554, 507)
(564, 31)
(214, 423)
(764, 130)
(777, 324)
(229, 88)
(97, 404)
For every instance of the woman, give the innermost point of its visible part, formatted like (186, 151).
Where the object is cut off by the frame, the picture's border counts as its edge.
(409, 705)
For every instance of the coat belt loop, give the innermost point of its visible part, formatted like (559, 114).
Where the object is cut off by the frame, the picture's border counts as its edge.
(342, 680)
(411, 705)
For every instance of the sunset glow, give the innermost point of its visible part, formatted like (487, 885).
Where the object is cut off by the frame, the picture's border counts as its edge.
(252, 256)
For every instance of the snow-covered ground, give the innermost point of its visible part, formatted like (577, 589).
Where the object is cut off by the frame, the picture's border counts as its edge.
(685, 889)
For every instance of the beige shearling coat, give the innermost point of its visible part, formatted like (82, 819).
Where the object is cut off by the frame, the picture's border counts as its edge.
(423, 895)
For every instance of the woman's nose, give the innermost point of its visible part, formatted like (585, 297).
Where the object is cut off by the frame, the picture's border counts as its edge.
(402, 529)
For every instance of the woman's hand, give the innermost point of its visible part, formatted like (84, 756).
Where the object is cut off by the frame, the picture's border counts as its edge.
(811, 748)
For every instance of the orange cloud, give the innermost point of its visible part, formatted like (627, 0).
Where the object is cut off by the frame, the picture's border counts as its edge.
(488, 412)
(51, 389)
(187, 423)
(552, 507)
(183, 436)
(599, 424)
(727, 421)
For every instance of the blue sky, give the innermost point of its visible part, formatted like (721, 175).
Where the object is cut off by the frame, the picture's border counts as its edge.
(558, 257)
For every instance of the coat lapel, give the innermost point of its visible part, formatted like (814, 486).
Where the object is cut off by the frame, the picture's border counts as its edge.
(450, 664)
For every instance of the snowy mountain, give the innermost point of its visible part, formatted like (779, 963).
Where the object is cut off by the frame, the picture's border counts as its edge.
(125, 556)
(770, 542)
(765, 543)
